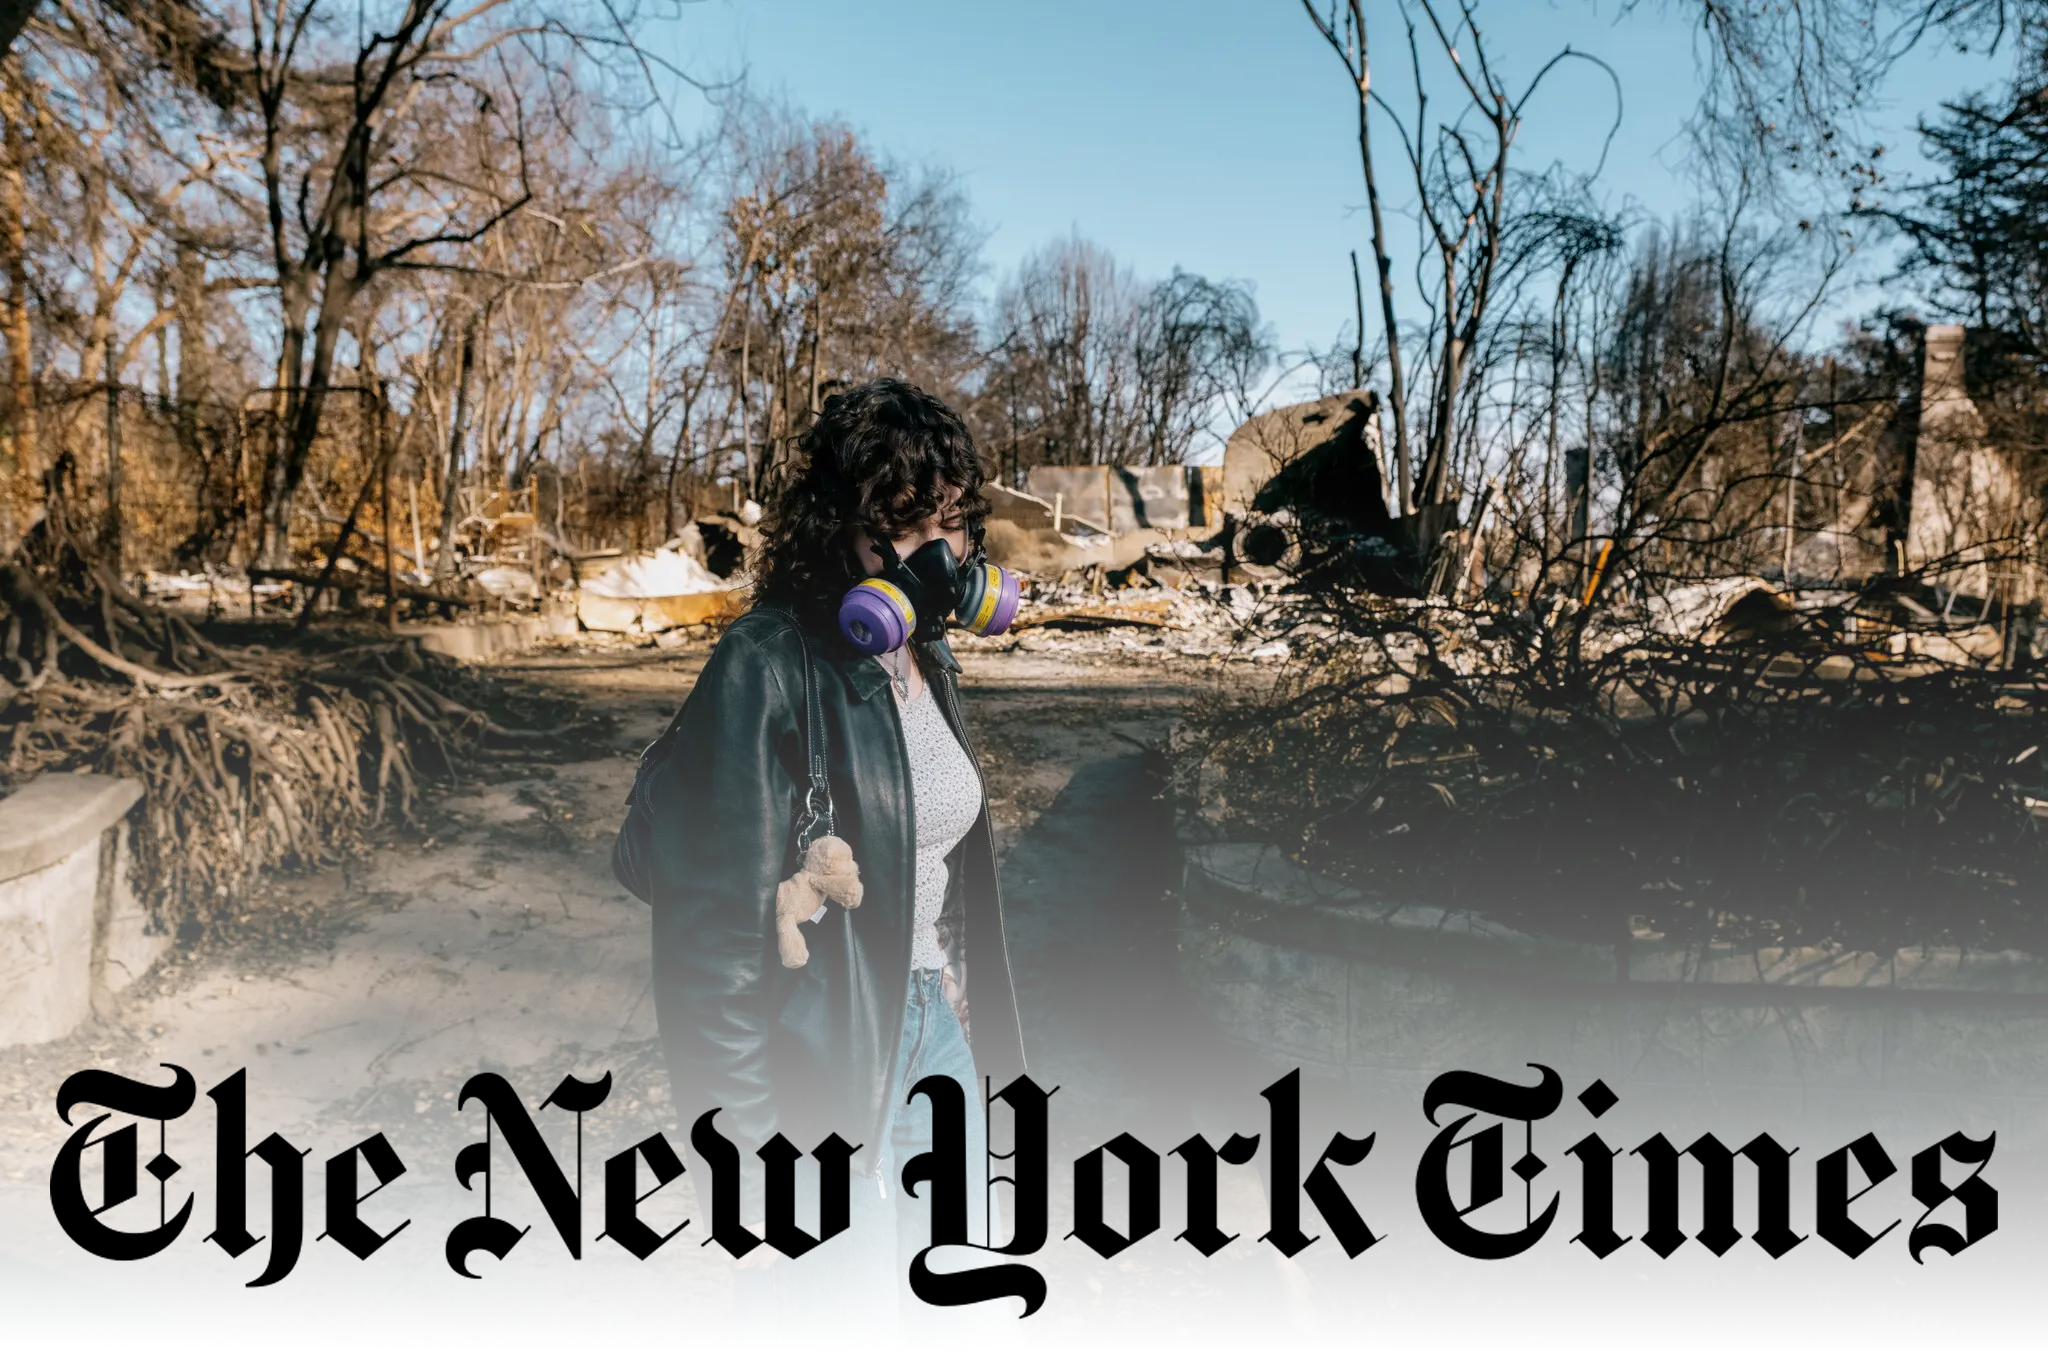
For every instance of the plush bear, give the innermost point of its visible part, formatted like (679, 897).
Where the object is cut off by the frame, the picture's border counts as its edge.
(829, 873)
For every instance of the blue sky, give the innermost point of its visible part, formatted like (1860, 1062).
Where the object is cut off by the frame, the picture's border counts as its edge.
(1216, 135)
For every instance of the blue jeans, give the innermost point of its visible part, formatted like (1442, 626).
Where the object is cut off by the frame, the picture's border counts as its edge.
(862, 1275)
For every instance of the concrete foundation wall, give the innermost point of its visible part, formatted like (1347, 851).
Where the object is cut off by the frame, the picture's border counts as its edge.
(1273, 440)
(1119, 498)
(72, 932)
(46, 948)
(132, 942)
(1310, 974)
(1048, 553)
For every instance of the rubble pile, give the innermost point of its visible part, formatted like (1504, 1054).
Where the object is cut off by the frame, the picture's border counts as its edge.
(209, 588)
(1077, 615)
(656, 593)
(667, 572)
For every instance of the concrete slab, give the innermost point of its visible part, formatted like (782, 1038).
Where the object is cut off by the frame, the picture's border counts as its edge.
(473, 641)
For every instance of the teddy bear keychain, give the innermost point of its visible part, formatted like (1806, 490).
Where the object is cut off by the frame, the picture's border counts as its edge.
(829, 873)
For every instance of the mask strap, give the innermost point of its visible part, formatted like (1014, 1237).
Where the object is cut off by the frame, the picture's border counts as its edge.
(887, 554)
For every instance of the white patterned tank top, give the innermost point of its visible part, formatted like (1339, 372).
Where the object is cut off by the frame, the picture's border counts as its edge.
(946, 796)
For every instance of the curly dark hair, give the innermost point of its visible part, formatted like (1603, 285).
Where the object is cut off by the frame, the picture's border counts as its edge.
(878, 461)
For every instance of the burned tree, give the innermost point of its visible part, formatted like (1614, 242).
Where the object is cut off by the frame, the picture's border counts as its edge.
(1097, 366)
(352, 185)
(1458, 166)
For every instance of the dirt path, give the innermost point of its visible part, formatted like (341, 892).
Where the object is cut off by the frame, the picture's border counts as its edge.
(499, 942)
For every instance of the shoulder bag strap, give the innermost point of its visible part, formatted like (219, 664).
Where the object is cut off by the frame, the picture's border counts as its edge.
(817, 814)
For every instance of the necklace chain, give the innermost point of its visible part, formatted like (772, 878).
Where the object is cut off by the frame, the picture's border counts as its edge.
(893, 661)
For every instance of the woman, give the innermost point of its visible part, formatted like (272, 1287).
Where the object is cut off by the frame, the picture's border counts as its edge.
(882, 1001)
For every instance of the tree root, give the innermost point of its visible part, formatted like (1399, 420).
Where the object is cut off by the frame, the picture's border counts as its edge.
(293, 757)
(19, 589)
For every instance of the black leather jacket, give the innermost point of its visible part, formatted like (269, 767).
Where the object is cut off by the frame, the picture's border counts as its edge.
(804, 1051)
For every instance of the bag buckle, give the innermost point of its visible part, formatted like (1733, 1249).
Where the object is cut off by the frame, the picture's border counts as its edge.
(817, 815)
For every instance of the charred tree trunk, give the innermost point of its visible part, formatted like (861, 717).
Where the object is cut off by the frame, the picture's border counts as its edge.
(110, 532)
(444, 558)
(26, 466)
(304, 404)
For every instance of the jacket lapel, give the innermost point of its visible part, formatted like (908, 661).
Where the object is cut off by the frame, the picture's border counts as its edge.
(863, 673)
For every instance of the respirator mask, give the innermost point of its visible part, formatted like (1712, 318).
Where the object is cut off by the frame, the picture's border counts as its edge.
(913, 595)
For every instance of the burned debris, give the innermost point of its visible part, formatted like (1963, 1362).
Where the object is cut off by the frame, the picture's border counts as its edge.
(1783, 689)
